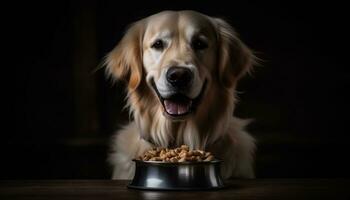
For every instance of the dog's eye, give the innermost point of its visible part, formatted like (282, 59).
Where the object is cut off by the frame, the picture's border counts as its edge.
(198, 44)
(158, 45)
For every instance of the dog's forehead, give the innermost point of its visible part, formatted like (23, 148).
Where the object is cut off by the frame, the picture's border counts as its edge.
(168, 23)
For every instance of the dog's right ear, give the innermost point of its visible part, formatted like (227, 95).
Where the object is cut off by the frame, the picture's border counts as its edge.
(124, 62)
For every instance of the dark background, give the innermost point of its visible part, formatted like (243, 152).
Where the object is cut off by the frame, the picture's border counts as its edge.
(61, 114)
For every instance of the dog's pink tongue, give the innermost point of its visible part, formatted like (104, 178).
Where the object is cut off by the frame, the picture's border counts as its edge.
(175, 108)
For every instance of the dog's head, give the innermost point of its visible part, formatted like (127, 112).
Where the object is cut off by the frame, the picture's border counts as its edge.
(180, 56)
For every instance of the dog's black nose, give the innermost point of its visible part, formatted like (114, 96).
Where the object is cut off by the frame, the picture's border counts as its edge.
(179, 77)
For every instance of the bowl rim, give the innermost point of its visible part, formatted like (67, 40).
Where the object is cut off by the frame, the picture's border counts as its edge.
(215, 161)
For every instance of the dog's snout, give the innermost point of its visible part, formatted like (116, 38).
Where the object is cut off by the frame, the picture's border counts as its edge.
(179, 77)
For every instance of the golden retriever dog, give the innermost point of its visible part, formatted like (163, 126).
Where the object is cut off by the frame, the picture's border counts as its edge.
(181, 69)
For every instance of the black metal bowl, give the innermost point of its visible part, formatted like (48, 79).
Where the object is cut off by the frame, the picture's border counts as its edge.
(157, 175)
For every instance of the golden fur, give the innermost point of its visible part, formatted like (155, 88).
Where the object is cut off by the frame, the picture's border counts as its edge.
(212, 126)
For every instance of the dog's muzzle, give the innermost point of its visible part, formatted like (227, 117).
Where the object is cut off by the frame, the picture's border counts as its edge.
(179, 104)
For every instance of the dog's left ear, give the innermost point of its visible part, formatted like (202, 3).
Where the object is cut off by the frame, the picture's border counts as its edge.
(124, 62)
(235, 59)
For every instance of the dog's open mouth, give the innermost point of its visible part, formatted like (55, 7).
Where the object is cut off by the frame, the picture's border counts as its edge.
(178, 104)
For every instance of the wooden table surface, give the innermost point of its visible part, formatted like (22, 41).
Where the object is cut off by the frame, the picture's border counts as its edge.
(237, 189)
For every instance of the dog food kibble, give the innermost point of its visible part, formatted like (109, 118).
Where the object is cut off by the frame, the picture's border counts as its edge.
(181, 154)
